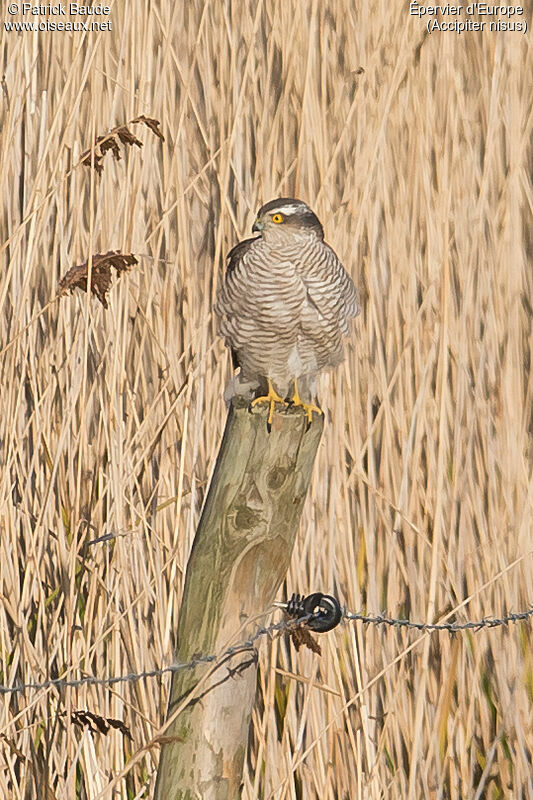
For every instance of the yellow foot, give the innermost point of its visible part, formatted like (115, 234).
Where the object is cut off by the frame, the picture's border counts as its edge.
(271, 398)
(307, 407)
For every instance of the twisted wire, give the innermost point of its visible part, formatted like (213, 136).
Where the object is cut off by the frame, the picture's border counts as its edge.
(278, 627)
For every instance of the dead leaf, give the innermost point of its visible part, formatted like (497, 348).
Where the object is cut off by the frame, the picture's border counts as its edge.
(301, 637)
(151, 123)
(127, 137)
(101, 275)
(110, 141)
(98, 724)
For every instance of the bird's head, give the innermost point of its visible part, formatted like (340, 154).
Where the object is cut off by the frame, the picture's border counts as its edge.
(287, 215)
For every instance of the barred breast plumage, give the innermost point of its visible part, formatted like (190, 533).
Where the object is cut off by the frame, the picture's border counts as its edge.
(286, 299)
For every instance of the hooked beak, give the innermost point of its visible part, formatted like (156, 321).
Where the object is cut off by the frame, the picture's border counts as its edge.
(257, 226)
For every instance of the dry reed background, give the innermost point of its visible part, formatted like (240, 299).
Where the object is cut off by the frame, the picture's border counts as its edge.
(110, 420)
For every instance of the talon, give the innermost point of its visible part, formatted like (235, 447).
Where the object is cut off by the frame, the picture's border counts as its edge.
(307, 407)
(271, 398)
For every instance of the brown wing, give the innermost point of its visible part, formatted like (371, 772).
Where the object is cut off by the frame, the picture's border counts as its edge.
(234, 256)
(237, 252)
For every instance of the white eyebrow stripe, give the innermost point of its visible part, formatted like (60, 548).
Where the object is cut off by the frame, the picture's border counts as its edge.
(286, 209)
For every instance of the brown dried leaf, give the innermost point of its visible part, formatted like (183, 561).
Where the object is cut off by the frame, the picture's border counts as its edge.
(109, 143)
(98, 724)
(96, 161)
(76, 277)
(121, 726)
(301, 636)
(151, 123)
(127, 137)
(84, 719)
(121, 134)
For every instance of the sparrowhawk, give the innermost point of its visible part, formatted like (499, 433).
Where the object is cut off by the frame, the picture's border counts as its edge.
(284, 306)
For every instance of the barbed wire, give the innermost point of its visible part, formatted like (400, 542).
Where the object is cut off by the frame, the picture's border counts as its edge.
(432, 627)
(131, 677)
(278, 627)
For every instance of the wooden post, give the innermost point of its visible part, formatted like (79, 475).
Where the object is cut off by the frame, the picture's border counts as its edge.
(240, 555)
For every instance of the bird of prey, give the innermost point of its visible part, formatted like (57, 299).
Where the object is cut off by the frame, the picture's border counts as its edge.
(284, 307)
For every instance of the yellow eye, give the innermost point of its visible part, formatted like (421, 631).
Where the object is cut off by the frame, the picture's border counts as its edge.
(277, 218)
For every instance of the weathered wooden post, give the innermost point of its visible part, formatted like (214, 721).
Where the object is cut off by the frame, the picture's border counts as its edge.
(240, 555)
